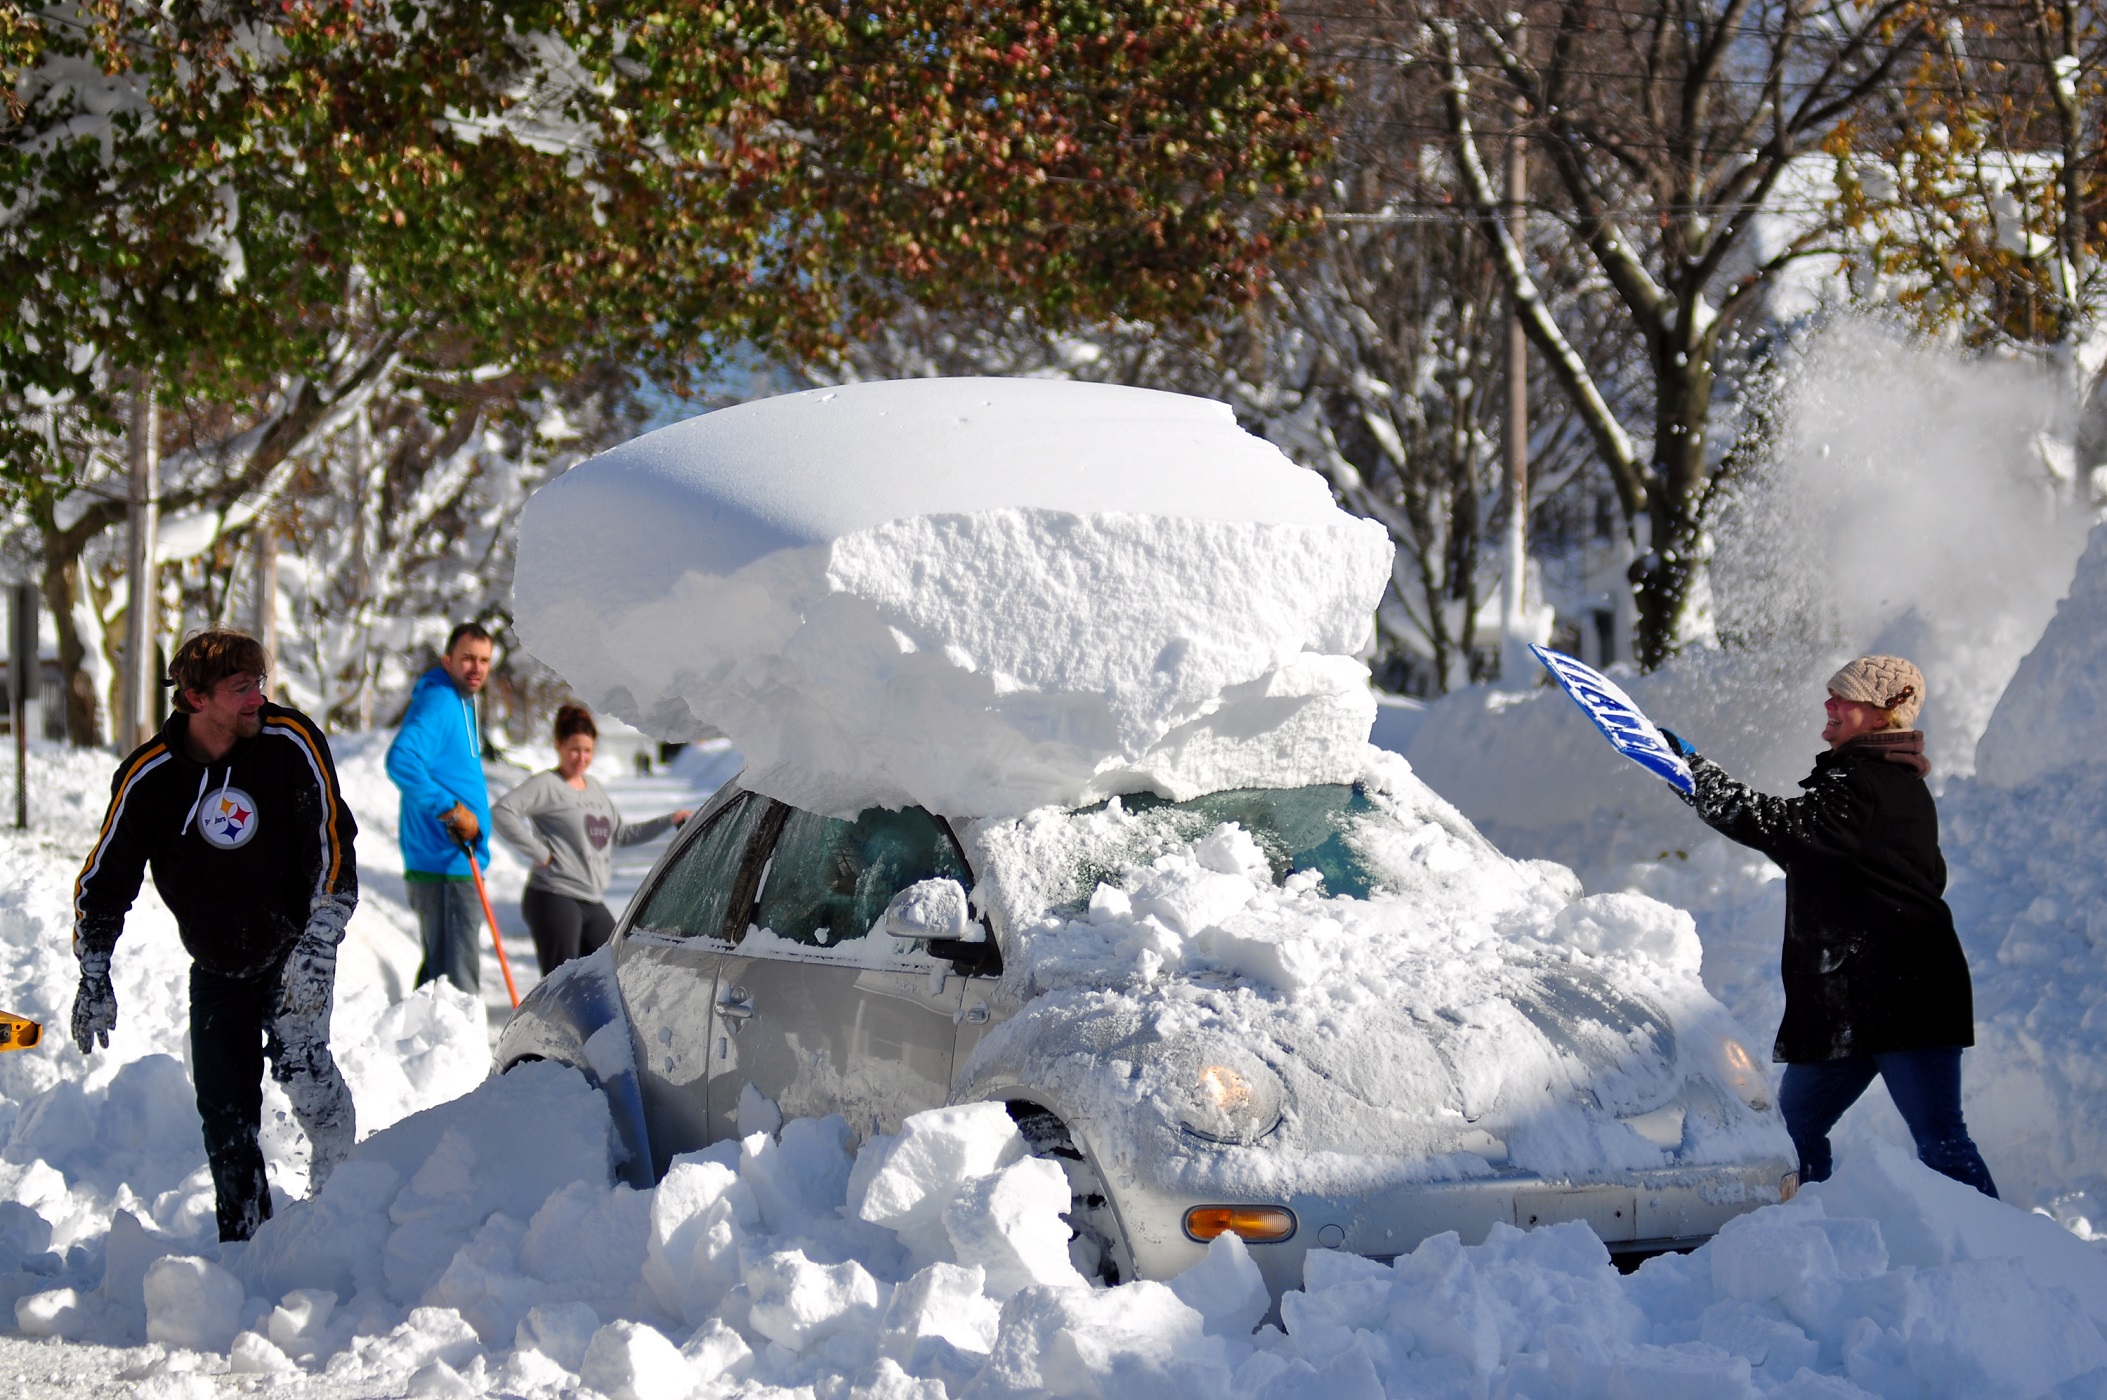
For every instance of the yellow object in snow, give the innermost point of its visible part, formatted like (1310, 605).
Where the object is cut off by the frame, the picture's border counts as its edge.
(18, 1033)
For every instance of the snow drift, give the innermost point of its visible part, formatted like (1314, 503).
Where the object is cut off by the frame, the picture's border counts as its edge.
(2054, 713)
(981, 596)
(932, 1264)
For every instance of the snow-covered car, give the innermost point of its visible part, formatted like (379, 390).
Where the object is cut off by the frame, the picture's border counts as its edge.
(1058, 795)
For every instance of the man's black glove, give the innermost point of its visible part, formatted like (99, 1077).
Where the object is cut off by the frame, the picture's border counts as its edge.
(95, 1003)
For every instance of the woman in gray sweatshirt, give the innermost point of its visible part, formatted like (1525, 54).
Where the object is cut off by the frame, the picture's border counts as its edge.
(563, 822)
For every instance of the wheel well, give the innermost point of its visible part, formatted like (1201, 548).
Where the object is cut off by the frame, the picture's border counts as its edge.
(1098, 1240)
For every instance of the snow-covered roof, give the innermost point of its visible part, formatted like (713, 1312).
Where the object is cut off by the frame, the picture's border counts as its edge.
(980, 595)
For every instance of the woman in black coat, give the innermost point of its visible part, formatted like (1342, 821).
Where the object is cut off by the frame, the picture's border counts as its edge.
(1875, 980)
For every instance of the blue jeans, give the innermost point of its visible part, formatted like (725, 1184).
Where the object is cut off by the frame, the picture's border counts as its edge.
(451, 918)
(1926, 1087)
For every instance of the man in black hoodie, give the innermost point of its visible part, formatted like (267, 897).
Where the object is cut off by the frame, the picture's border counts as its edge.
(1875, 980)
(236, 807)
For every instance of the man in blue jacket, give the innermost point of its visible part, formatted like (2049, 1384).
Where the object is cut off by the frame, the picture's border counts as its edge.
(437, 762)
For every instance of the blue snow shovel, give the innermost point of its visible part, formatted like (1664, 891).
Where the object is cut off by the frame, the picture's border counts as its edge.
(1621, 722)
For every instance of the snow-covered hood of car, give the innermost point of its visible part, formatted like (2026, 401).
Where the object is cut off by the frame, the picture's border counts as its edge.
(1474, 1013)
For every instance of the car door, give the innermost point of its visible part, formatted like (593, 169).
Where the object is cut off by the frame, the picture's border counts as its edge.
(667, 964)
(817, 1008)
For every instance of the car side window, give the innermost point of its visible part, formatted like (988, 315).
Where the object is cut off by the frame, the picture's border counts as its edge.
(829, 880)
(711, 881)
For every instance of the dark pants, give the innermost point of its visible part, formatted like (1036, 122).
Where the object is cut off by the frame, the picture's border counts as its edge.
(1926, 1087)
(563, 927)
(451, 918)
(234, 1023)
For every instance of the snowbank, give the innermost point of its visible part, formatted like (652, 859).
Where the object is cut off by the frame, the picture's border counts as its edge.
(2054, 713)
(481, 1246)
(981, 596)
(443, 1260)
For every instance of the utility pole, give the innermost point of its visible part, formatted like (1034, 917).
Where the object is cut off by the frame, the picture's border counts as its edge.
(1517, 667)
(24, 674)
(137, 713)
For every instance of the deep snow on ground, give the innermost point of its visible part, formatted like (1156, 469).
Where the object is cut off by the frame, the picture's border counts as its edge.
(480, 1245)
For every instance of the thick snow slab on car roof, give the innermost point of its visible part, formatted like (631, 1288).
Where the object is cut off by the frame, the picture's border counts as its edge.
(978, 595)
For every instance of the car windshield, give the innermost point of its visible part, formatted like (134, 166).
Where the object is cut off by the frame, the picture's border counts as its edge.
(1306, 828)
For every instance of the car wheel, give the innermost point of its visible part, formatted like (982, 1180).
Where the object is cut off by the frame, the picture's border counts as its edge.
(1096, 1245)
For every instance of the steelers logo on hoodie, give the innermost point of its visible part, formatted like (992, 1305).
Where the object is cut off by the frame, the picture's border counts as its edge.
(228, 819)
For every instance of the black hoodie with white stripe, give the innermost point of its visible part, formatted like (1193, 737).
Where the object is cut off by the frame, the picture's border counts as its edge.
(242, 848)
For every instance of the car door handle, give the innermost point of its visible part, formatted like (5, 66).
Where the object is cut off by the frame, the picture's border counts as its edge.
(736, 1006)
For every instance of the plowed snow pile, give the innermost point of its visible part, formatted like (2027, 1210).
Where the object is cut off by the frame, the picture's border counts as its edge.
(980, 596)
(482, 1248)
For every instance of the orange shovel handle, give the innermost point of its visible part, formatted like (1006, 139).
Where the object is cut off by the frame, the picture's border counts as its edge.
(497, 940)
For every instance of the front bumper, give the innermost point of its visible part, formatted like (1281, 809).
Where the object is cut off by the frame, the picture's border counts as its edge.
(1645, 1211)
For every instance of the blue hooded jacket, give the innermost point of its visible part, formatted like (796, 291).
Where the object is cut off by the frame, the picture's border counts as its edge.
(437, 760)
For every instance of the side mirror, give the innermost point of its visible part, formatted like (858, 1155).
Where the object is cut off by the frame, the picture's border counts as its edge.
(932, 910)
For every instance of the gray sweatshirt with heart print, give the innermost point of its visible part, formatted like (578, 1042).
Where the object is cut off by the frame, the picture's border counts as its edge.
(568, 835)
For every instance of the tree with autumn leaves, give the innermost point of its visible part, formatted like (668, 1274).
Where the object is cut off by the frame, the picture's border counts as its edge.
(269, 210)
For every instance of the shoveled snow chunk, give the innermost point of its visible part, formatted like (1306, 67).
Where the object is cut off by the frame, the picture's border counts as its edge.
(886, 1381)
(257, 1355)
(904, 1181)
(1225, 1288)
(1693, 1371)
(559, 1331)
(803, 1175)
(1010, 1224)
(129, 1251)
(946, 1302)
(797, 1303)
(299, 1318)
(700, 1213)
(717, 1353)
(192, 1302)
(630, 1361)
(435, 1380)
(757, 1112)
(979, 595)
(1137, 1340)
(610, 1052)
(58, 1312)
(427, 1334)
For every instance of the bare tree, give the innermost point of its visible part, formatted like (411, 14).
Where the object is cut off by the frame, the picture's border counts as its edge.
(1666, 127)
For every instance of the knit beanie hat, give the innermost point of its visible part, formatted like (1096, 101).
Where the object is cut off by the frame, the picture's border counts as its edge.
(1885, 682)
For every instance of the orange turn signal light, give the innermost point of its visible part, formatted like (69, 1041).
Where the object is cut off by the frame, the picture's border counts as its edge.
(1258, 1224)
(1788, 1186)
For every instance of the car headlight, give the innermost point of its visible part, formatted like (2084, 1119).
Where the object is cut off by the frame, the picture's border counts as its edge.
(1222, 1093)
(1743, 1075)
